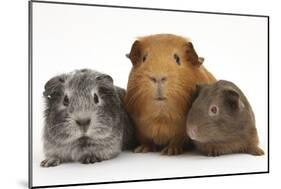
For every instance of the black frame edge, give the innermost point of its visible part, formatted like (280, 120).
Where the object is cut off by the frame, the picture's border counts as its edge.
(149, 180)
(268, 93)
(30, 103)
(147, 8)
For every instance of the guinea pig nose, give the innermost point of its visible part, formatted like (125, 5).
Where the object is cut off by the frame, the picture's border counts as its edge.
(160, 79)
(83, 122)
(163, 79)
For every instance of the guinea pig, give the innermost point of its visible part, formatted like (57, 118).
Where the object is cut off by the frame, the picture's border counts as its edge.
(166, 69)
(221, 121)
(85, 120)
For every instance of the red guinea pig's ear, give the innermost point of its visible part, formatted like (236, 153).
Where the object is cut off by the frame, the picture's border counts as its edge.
(135, 53)
(192, 56)
(200, 86)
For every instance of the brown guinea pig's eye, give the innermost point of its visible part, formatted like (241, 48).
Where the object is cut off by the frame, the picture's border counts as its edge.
(214, 110)
(144, 58)
(96, 98)
(177, 58)
(65, 101)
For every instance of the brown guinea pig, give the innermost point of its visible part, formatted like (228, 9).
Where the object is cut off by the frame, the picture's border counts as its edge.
(221, 121)
(165, 71)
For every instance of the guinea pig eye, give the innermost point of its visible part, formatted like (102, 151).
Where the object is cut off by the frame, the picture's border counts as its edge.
(213, 110)
(65, 101)
(144, 58)
(177, 59)
(96, 98)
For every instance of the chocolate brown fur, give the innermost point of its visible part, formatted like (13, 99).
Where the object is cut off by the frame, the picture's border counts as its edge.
(165, 71)
(221, 121)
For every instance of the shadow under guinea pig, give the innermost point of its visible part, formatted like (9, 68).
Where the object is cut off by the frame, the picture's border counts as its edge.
(221, 121)
(84, 119)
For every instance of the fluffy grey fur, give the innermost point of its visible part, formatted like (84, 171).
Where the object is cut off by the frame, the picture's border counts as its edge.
(84, 119)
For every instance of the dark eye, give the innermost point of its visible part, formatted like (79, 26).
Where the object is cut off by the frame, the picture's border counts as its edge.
(214, 110)
(65, 101)
(144, 58)
(96, 98)
(177, 58)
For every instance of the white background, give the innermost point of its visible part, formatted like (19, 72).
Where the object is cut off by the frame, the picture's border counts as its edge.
(14, 95)
(70, 37)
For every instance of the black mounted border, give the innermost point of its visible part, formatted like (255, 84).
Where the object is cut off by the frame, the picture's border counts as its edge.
(30, 97)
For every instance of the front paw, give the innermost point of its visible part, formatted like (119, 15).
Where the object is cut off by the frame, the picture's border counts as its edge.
(50, 162)
(172, 150)
(87, 159)
(214, 153)
(144, 148)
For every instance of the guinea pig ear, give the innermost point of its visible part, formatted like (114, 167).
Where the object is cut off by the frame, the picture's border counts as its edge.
(121, 93)
(54, 87)
(135, 53)
(192, 55)
(231, 98)
(199, 87)
(104, 78)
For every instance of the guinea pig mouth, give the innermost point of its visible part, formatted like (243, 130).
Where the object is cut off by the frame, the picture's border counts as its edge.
(84, 138)
(160, 98)
(84, 141)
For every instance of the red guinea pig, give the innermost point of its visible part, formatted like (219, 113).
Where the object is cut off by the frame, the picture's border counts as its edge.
(166, 69)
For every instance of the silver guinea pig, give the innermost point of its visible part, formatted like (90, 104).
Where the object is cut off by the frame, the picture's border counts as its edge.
(84, 119)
